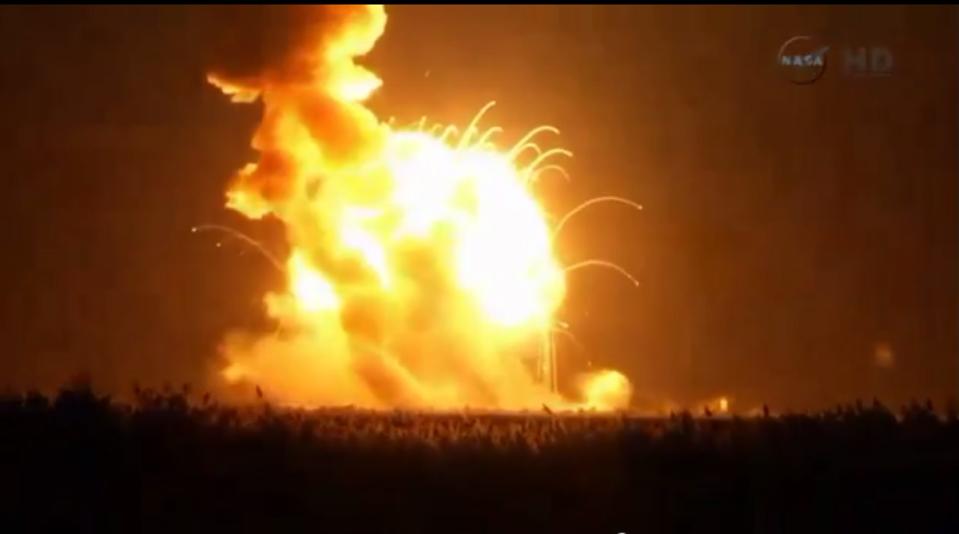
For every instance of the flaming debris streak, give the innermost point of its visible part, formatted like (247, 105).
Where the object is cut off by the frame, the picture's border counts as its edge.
(592, 202)
(602, 263)
(421, 268)
(243, 238)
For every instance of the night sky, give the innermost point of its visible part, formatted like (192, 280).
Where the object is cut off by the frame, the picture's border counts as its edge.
(799, 243)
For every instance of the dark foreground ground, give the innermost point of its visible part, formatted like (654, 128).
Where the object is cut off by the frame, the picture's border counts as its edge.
(172, 463)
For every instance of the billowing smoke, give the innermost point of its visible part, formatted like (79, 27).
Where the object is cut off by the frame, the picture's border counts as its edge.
(300, 61)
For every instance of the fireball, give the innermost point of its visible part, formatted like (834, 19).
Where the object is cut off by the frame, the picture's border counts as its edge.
(421, 270)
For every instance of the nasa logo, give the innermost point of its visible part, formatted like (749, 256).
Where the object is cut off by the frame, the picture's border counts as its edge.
(802, 59)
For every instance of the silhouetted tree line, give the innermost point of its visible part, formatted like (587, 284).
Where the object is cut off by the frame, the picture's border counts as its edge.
(175, 461)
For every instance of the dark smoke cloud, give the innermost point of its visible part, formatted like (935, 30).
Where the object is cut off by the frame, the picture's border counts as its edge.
(253, 46)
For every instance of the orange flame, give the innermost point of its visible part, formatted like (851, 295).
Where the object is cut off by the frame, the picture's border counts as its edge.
(421, 271)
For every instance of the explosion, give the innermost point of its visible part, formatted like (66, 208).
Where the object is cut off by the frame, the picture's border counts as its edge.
(421, 270)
